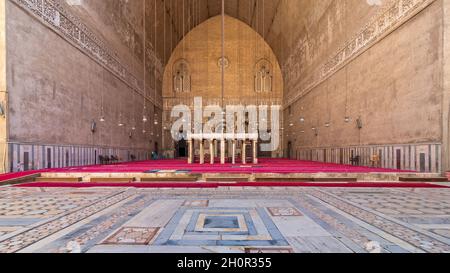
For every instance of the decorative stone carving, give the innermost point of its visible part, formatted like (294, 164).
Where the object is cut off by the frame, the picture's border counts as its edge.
(263, 76)
(387, 20)
(223, 61)
(181, 76)
(54, 14)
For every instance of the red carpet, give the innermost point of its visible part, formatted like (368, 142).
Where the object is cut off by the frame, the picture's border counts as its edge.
(10, 176)
(277, 166)
(216, 185)
(280, 166)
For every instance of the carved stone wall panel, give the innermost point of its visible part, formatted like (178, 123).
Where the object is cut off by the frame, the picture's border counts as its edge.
(298, 83)
(55, 15)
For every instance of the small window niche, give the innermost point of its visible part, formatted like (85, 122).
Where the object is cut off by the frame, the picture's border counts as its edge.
(263, 76)
(181, 77)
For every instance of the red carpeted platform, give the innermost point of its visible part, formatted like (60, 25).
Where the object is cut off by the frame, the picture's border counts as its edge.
(280, 166)
(217, 185)
(275, 166)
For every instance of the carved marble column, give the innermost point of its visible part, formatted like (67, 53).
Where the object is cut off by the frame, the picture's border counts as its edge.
(215, 147)
(233, 152)
(255, 152)
(191, 152)
(244, 152)
(211, 151)
(222, 151)
(202, 152)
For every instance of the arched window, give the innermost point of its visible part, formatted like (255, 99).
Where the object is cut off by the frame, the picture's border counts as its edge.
(263, 76)
(181, 76)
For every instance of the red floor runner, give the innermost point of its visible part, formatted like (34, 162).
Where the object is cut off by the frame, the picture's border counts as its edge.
(266, 165)
(216, 185)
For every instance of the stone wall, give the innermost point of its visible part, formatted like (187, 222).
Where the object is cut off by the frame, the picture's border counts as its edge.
(446, 86)
(385, 65)
(393, 85)
(3, 91)
(202, 51)
(61, 70)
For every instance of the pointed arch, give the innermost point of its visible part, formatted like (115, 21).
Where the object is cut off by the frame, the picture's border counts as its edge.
(181, 75)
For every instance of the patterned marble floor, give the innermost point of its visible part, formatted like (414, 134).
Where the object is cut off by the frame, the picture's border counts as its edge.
(237, 220)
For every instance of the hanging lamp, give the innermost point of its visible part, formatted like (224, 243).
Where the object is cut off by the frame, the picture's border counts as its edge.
(102, 113)
(347, 118)
(121, 123)
(328, 123)
(302, 118)
(155, 115)
(133, 128)
(144, 115)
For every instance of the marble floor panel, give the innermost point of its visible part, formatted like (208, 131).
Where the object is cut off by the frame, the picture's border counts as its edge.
(224, 220)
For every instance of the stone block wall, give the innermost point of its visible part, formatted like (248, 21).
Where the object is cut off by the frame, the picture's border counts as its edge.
(66, 66)
(387, 79)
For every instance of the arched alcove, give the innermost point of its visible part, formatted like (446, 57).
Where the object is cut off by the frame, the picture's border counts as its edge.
(246, 55)
(201, 53)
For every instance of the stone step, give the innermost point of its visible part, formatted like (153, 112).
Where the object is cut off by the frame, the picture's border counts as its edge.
(448, 175)
(19, 180)
(170, 179)
(335, 179)
(58, 179)
(423, 179)
(227, 179)
(305, 179)
(112, 179)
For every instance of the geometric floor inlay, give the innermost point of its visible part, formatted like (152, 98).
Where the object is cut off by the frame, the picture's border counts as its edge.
(221, 227)
(284, 212)
(268, 250)
(247, 220)
(132, 236)
(221, 223)
(196, 203)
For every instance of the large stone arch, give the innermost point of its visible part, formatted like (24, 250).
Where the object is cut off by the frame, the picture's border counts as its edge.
(201, 50)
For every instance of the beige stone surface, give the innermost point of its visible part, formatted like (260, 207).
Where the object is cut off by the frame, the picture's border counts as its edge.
(398, 85)
(202, 50)
(446, 84)
(394, 87)
(52, 80)
(3, 90)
